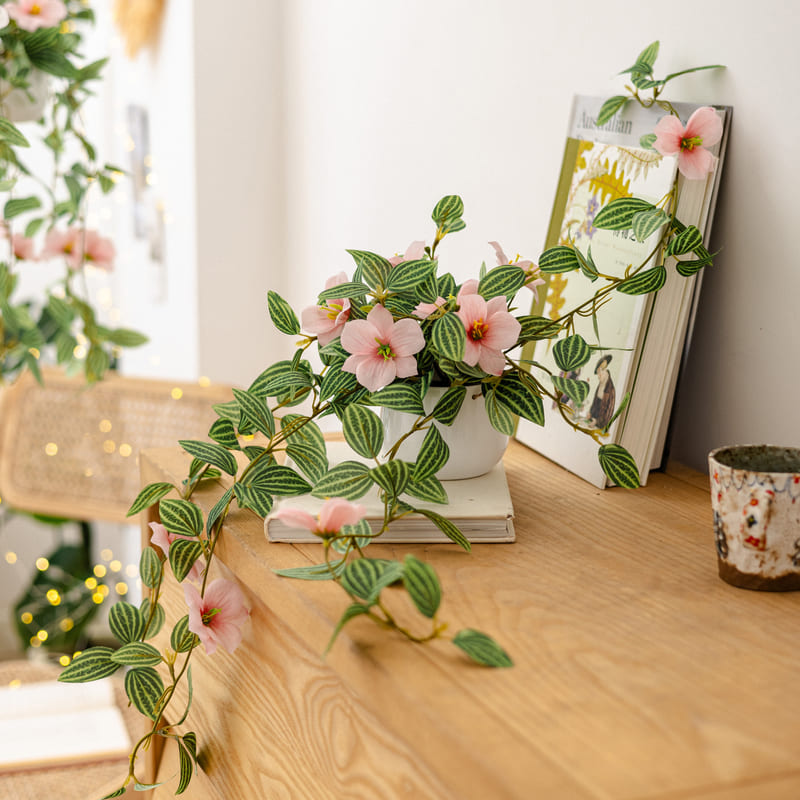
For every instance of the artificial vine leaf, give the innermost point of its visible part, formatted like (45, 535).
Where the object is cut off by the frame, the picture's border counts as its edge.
(481, 648)
(223, 432)
(450, 207)
(336, 382)
(392, 476)
(281, 480)
(350, 479)
(11, 134)
(365, 578)
(611, 107)
(559, 259)
(218, 509)
(448, 528)
(429, 489)
(575, 390)
(214, 454)
(347, 290)
(618, 214)
(126, 622)
(500, 281)
(433, 455)
(91, 665)
(256, 499)
(136, 654)
(363, 430)
(144, 688)
(281, 314)
(182, 639)
(571, 353)
(684, 242)
(400, 397)
(351, 612)
(646, 223)
(149, 567)
(618, 465)
(154, 617)
(519, 397)
(422, 585)
(310, 459)
(181, 517)
(409, 274)
(448, 337)
(150, 495)
(182, 555)
(449, 404)
(371, 268)
(317, 572)
(647, 282)
(255, 411)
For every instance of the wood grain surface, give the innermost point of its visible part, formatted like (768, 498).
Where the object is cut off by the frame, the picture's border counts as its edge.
(638, 672)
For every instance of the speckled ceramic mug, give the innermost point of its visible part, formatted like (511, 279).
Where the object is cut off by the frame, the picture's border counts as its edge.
(755, 497)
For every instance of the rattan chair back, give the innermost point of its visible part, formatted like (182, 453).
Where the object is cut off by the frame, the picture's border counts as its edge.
(71, 450)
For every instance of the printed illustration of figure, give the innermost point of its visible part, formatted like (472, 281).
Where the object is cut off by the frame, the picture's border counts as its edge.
(605, 396)
(574, 375)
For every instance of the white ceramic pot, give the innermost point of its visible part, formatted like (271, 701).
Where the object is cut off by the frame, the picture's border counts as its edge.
(18, 107)
(475, 446)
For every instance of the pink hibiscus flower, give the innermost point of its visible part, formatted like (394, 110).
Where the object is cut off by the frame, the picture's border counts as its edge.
(218, 616)
(333, 515)
(23, 247)
(63, 243)
(533, 279)
(162, 538)
(381, 349)
(327, 320)
(33, 14)
(490, 328)
(703, 129)
(414, 252)
(99, 251)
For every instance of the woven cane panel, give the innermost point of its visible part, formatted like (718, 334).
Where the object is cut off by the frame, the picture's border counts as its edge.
(81, 782)
(72, 450)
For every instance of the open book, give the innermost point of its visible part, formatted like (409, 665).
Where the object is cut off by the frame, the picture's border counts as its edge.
(640, 339)
(480, 507)
(50, 723)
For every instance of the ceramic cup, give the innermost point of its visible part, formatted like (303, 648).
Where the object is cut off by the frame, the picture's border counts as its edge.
(755, 497)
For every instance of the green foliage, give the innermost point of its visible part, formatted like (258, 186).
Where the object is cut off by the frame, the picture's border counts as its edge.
(482, 648)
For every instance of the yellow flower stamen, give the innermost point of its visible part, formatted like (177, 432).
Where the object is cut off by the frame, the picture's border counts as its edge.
(478, 330)
(690, 142)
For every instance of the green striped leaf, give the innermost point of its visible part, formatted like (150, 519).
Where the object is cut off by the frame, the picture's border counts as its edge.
(611, 107)
(651, 280)
(501, 281)
(363, 430)
(450, 207)
(646, 223)
(428, 489)
(559, 259)
(20, 205)
(310, 459)
(150, 495)
(365, 578)
(255, 411)
(181, 517)
(577, 391)
(117, 793)
(186, 768)
(255, 498)
(690, 267)
(520, 398)
(350, 479)
(448, 528)
(229, 410)
(91, 665)
(449, 404)
(126, 622)
(422, 586)
(213, 454)
(288, 383)
(218, 509)
(427, 291)
(11, 134)
(572, 352)
(223, 432)
(258, 387)
(399, 396)
(618, 214)
(448, 337)
(182, 555)
(348, 290)
(433, 455)
(144, 688)
(499, 415)
(453, 224)
(302, 430)
(371, 268)
(154, 618)
(647, 58)
(646, 142)
(408, 274)
(137, 654)
(684, 242)
(281, 314)
(618, 465)
(281, 480)
(392, 476)
(336, 382)
(482, 648)
(351, 612)
(149, 567)
(182, 639)
(318, 572)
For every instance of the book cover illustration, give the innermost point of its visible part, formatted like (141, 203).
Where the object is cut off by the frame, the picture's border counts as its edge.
(597, 173)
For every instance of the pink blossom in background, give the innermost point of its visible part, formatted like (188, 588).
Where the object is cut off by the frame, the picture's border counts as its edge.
(414, 252)
(703, 129)
(424, 310)
(33, 14)
(100, 251)
(533, 280)
(23, 247)
(326, 321)
(162, 538)
(381, 349)
(490, 329)
(63, 243)
(218, 616)
(333, 514)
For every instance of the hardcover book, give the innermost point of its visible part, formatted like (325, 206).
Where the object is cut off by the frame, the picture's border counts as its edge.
(639, 340)
(480, 507)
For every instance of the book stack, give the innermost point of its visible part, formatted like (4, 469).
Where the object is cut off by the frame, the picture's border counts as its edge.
(640, 340)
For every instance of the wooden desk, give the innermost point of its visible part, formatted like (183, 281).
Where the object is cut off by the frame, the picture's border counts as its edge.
(639, 673)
